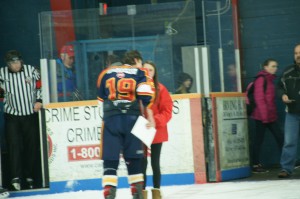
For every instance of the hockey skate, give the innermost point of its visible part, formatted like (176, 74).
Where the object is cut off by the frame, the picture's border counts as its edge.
(110, 192)
(16, 184)
(29, 183)
(137, 191)
(3, 193)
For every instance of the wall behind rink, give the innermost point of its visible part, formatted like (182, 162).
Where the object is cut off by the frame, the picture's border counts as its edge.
(74, 133)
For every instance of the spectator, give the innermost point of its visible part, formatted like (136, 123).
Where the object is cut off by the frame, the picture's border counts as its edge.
(162, 110)
(288, 90)
(113, 60)
(66, 76)
(22, 101)
(185, 82)
(232, 78)
(265, 113)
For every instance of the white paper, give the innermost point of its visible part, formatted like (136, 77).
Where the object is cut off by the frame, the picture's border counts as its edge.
(140, 130)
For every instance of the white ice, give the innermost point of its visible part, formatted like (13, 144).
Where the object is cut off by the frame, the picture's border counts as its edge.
(279, 189)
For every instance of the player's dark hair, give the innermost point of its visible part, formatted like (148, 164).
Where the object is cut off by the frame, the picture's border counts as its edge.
(267, 62)
(130, 56)
(155, 77)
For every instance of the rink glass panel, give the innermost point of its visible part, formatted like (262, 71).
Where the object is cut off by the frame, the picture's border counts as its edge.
(219, 31)
(158, 31)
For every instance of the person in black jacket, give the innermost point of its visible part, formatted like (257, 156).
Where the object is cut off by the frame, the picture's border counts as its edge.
(289, 91)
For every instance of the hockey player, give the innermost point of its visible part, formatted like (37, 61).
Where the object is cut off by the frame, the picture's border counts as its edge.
(121, 89)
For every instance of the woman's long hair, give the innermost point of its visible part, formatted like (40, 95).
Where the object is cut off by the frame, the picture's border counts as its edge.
(155, 78)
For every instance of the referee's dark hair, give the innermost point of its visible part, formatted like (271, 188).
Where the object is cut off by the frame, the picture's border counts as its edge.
(130, 56)
(12, 55)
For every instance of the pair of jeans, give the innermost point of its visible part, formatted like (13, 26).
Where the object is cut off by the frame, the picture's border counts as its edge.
(291, 136)
(261, 128)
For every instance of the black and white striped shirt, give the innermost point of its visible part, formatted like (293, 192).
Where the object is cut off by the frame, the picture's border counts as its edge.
(22, 90)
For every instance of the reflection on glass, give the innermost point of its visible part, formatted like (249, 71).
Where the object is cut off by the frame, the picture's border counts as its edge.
(158, 31)
(185, 83)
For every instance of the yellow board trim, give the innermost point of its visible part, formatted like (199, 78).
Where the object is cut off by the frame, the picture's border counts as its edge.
(186, 96)
(174, 97)
(72, 104)
(227, 94)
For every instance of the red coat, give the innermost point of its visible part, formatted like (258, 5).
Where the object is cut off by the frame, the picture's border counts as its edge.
(162, 110)
(265, 109)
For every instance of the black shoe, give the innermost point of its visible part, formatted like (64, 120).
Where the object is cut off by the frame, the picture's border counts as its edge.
(29, 182)
(3, 193)
(16, 184)
(284, 174)
(259, 169)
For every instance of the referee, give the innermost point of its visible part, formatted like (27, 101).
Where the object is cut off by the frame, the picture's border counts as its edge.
(22, 100)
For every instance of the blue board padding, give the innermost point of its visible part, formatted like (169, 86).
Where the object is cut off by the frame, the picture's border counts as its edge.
(95, 184)
(234, 174)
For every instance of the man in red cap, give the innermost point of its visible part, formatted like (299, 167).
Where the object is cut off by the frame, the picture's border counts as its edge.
(67, 55)
(66, 77)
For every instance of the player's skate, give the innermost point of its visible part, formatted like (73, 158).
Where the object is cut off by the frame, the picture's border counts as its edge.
(110, 192)
(3, 193)
(137, 191)
(29, 183)
(156, 194)
(16, 183)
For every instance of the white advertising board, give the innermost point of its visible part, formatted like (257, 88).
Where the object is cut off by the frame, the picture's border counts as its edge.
(74, 134)
(232, 132)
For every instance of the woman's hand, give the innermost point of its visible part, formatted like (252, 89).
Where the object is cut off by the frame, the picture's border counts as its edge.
(151, 120)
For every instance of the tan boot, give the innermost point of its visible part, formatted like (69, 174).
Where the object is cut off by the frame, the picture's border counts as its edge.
(145, 194)
(156, 194)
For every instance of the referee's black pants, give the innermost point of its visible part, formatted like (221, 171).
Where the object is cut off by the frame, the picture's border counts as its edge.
(22, 136)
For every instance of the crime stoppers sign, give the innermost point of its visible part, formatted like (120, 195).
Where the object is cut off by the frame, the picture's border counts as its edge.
(74, 137)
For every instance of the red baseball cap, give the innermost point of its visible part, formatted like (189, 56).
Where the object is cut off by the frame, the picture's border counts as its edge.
(67, 49)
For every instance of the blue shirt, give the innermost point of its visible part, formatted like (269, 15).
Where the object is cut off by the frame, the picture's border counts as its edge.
(66, 82)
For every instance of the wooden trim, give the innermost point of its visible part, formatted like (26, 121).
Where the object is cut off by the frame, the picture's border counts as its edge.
(95, 102)
(186, 96)
(72, 104)
(228, 94)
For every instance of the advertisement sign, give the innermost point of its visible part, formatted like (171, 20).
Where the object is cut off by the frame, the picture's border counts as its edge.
(74, 135)
(232, 132)
(74, 142)
(177, 153)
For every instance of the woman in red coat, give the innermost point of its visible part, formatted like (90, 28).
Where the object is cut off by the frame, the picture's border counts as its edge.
(162, 110)
(265, 112)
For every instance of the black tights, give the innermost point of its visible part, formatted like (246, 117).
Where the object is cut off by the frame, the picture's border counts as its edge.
(155, 163)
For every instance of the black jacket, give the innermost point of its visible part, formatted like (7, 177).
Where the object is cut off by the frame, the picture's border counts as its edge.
(289, 84)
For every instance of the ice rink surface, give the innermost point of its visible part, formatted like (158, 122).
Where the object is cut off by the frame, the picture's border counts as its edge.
(278, 189)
